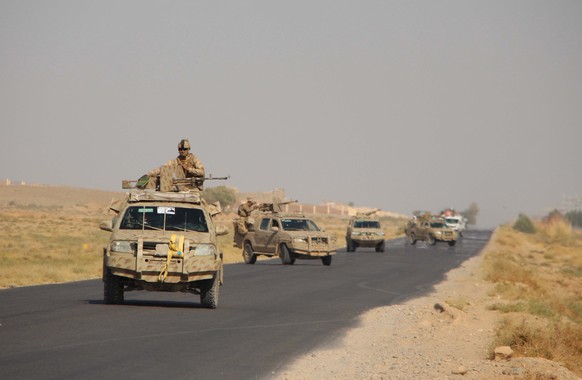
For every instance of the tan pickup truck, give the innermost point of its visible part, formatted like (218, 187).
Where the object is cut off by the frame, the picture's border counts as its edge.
(287, 236)
(162, 241)
(430, 230)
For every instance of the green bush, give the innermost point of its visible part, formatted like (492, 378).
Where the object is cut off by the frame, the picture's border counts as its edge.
(524, 224)
(575, 217)
(471, 213)
(224, 194)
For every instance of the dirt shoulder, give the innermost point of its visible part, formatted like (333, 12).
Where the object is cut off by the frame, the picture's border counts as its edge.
(445, 335)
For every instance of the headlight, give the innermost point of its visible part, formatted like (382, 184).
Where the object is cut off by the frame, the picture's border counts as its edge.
(122, 246)
(356, 233)
(381, 233)
(300, 239)
(204, 250)
(438, 232)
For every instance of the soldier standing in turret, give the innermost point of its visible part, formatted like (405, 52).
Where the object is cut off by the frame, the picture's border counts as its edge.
(245, 209)
(186, 165)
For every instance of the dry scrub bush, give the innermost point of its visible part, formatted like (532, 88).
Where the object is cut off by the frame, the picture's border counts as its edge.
(504, 265)
(40, 248)
(557, 231)
(557, 341)
(539, 277)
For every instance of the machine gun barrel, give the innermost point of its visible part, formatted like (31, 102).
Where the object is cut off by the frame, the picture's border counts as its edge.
(368, 213)
(275, 206)
(132, 184)
(193, 180)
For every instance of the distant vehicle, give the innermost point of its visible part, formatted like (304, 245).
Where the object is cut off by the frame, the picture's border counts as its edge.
(163, 241)
(364, 230)
(456, 223)
(287, 236)
(430, 229)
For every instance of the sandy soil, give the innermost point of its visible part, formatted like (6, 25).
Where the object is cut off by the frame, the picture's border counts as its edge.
(420, 340)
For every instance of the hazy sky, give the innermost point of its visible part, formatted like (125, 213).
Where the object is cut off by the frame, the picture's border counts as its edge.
(401, 105)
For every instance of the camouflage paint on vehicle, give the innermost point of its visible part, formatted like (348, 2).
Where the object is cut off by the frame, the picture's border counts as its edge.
(431, 229)
(287, 236)
(143, 251)
(365, 230)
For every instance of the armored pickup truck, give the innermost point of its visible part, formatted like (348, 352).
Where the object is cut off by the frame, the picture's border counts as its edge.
(163, 241)
(430, 230)
(364, 230)
(287, 236)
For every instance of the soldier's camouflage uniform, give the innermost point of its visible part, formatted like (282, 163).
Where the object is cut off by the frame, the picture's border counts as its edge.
(244, 211)
(174, 169)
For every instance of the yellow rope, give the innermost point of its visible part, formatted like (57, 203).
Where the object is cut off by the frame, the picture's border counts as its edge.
(174, 248)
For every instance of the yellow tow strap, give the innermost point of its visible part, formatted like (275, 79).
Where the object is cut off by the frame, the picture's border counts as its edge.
(176, 248)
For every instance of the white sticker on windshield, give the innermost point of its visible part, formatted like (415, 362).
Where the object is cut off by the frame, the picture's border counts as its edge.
(167, 210)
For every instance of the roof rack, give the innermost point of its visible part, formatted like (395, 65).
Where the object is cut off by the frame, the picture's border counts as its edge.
(140, 195)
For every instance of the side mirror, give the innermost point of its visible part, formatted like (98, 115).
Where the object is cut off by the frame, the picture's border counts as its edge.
(221, 230)
(214, 208)
(106, 225)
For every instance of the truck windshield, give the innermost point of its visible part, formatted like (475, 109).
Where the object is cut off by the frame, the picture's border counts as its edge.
(299, 225)
(161, 218)
(366, 224)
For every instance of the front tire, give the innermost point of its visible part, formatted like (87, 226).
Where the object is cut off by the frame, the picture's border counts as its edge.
(248, 255)
(326, 260)
(452, 243)
(112, 289)
(286, 255)
(431, 240)
(209, 292)
(350, 245)
(412, 239)
(380, 247)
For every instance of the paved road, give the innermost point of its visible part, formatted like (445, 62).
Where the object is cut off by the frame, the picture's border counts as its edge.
(268, 313)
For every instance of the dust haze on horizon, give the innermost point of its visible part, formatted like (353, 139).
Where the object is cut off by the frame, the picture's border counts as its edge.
(400, 105)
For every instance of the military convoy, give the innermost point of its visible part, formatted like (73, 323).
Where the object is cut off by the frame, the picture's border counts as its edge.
(429, 228)
(364, 230)
(162, 241)
(273, 233)
(165, 239)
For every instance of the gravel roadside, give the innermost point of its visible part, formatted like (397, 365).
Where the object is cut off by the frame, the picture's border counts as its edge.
(445, 335)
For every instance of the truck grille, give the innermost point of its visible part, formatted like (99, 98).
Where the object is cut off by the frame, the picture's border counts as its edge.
(319, 240)
(149, 245)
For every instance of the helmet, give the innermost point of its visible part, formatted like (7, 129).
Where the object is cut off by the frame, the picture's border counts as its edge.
(184, 144)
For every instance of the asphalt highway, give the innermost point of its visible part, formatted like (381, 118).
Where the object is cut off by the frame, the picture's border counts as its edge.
(268, 313)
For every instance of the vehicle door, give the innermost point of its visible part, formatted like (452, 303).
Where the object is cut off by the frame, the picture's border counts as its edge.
(423, 230)
(262, 233)
(272, 239)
